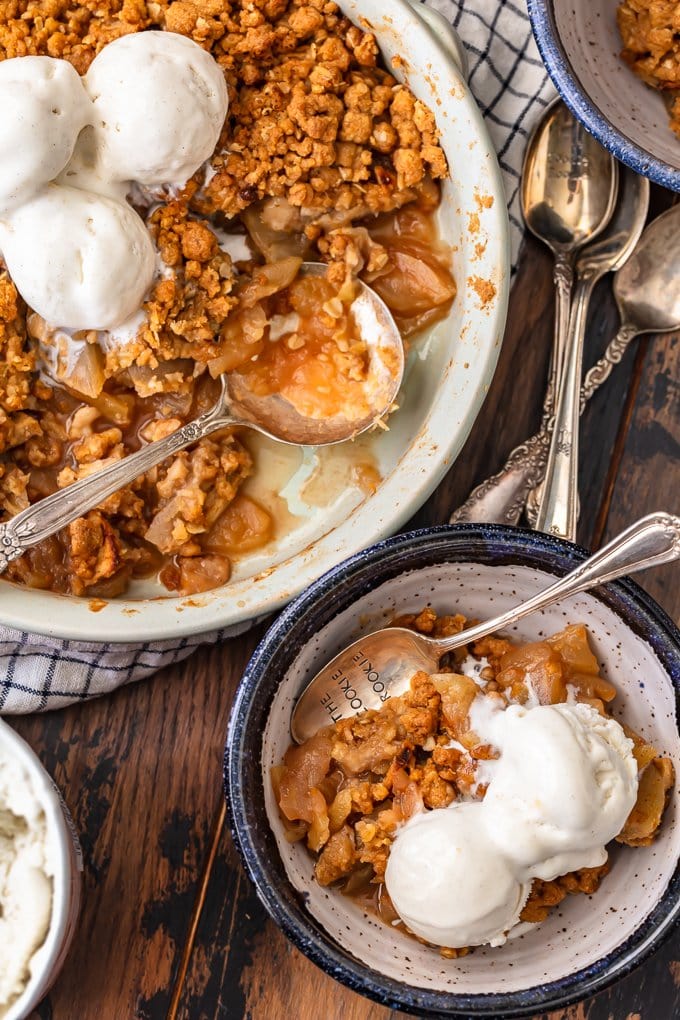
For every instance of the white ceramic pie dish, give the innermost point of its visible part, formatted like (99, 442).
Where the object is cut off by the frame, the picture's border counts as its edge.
(447, 378)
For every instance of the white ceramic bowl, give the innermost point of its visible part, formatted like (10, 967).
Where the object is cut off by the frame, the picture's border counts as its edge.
(447, 379)
(479, 570)
(580, 45)
(66, 881)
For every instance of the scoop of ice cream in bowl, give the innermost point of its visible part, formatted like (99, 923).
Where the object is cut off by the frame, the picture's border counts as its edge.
(40, 878)
(503, 837)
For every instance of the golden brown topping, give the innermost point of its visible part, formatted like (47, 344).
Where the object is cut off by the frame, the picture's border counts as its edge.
(649, 31)
(17, 362)
(545, 895)
(94, 551)
(318, 141)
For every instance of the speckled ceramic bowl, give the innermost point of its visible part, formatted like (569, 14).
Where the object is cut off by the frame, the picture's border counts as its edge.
(580, 45)
(478, 570)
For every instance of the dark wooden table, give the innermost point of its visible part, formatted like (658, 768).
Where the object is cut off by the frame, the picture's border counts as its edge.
(171, 927)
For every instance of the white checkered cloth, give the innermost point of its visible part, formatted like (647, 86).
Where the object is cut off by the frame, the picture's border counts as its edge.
(510, 84)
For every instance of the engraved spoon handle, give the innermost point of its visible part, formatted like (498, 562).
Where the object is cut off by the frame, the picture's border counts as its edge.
(595, 376)
(53, 513)
(501, 498)
(602, 369)
(563, 278)
(652, 540)
(558, 512)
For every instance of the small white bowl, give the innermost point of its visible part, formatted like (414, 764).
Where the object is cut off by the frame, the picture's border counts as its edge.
(448, 376)
(66, 881)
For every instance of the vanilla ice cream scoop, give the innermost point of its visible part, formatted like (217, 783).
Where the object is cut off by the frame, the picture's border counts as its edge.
(448, 882)
(562, 789)
(79, 260)
(44, 108)
(160, 101)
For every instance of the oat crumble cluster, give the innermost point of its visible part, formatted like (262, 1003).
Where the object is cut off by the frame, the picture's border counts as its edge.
(323, 156)
(650, 31)
(347, 789)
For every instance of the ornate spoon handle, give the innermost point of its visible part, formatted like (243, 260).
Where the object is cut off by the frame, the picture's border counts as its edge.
(595, 376)
(502, 497)
(558, 512)
(652, 540)
(53, 513)
(602, 369)
(563, 278)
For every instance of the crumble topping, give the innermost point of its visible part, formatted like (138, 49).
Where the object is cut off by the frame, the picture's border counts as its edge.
(323, 156)
(651, 47)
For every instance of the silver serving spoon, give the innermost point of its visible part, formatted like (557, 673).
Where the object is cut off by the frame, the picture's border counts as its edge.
(271, 415)
(380, 665)
(568, 190)
(502, 497)
(557, 509)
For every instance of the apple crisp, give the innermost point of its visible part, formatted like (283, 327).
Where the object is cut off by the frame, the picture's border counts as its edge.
(346, 791)
(324, 156)
(650, 31)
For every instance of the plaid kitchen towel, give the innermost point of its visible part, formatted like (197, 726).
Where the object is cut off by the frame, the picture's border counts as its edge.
(509, 82)
(512, 88)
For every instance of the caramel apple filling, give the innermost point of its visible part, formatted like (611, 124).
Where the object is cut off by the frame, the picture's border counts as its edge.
(324, 157)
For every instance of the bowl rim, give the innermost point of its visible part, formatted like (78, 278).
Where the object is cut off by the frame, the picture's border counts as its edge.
(572, 92)
(173, 619)
(507, 545)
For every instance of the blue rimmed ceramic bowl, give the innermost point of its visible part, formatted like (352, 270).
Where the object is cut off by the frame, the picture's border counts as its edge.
(479, 570)
(580, 45)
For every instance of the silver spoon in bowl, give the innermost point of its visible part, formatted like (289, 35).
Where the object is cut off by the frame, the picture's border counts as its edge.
(271, 415)
(380, 665)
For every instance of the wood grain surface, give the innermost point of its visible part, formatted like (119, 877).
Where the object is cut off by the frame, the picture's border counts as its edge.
(170, 926)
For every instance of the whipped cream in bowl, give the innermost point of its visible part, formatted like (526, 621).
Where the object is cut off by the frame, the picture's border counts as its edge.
(40, 878)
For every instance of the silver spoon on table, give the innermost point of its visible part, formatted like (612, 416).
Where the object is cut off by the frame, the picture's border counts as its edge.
(380, 665)
(502, 497)
(569, 188)
(647, 294)
(272, 416)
